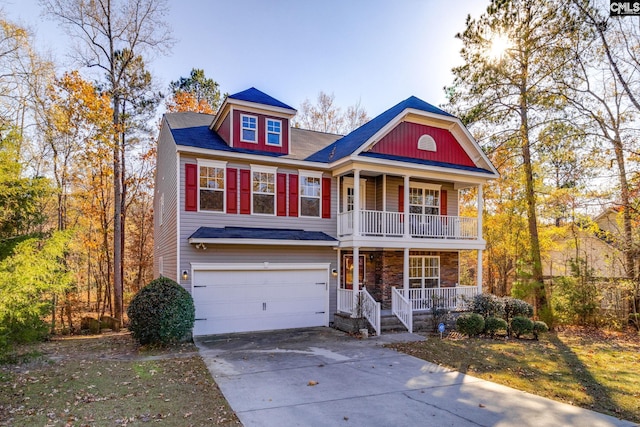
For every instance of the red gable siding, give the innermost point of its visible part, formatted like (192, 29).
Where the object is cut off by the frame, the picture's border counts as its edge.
(403, 141)
(225, 129)
(262, 123)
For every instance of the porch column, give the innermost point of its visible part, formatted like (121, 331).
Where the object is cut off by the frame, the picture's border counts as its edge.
(407, 229)
(356, 204)
(405, 272)
(480, 210)
(339, 284)
(355, 277)
(479, 271)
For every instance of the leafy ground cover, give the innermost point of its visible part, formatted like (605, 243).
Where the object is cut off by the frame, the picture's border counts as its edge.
(592, 369)
(109, 380)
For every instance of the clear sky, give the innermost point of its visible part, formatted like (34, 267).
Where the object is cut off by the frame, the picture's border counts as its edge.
(377, 52)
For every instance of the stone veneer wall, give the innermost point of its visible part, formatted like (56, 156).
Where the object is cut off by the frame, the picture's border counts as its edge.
(383, 270)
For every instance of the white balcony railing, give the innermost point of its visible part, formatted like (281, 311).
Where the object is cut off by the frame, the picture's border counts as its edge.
(391, 224)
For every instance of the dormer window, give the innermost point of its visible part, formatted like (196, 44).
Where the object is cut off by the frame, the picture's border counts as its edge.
(249, 131)
(274, 132)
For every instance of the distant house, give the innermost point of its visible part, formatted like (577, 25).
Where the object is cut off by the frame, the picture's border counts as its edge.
(598, 250)
(272, 227)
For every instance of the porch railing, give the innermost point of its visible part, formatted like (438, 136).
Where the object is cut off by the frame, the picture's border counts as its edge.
(391, 224)
(345, 300)
(451, 298)
(401, 308)
(370, 309)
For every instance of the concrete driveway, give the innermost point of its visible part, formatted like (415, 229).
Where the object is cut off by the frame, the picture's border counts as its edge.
(323, 377)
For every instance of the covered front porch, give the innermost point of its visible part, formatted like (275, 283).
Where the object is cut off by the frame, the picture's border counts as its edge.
(402, 282)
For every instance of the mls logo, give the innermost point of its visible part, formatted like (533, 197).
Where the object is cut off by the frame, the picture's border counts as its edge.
(624, 8)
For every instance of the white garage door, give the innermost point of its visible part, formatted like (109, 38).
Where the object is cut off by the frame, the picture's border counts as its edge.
(256, 298)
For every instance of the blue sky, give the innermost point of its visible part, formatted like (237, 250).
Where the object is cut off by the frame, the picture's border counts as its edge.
(377, 52)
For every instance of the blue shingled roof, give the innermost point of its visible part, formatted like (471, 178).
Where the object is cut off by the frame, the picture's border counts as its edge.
(203, 137)
(425, 162)
(259, 233)
(348, 144)
(254, 95)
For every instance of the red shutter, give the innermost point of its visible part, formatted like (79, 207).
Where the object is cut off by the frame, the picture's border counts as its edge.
(293, 195)
(443, 202)
(232, 191)
(401, 198)
(245, 191)
(190, 187)
(326, 197)
(281, 202)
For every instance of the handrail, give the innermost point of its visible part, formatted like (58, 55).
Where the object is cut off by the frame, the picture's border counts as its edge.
(370, 309)
(401, 308)
(345, 300)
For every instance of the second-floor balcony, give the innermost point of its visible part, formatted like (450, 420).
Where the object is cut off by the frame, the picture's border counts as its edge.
(393, 224)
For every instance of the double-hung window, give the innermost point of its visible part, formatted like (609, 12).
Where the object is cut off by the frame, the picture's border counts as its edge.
(424, 272)
(211, 185)
(424, 199)
(249, 128)
(274, 132)
(263, 190)
(310, 193)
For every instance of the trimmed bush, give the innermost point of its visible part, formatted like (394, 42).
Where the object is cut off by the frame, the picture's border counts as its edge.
(161, 313)
(493, 325)
(521, 325)
(516, 307)
(470, 324)
(539, 327)
(487, 305)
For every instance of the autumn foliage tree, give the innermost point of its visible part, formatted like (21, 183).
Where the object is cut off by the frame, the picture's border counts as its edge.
(111, 35)
(509, 90)
(195, 93)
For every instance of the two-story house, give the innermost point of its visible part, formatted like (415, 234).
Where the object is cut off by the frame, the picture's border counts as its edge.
(273, 227)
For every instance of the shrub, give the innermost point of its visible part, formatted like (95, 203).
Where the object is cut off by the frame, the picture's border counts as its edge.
(538, 328)
(521, 325)
(487, 305)
(494, 324)
(515, 307)
(470, 324)
(161, 313)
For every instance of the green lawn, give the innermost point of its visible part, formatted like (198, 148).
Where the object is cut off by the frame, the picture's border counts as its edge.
(591, 369)
(109, 381)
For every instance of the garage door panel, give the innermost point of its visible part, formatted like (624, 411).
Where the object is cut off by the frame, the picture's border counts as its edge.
(241, 301)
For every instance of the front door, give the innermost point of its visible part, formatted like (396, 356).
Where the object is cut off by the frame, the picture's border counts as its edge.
(348, 194)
